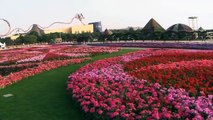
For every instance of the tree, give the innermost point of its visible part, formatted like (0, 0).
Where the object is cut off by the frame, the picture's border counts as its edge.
(84, 37)
(7, 41)
(39, 38)
(27, 39)
(95, 35)
(30, 39)
(20, 40)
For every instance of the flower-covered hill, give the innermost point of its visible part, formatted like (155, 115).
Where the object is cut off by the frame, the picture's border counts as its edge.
(141, 85)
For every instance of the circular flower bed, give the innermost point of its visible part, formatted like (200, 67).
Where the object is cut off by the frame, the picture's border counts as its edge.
(106, 91)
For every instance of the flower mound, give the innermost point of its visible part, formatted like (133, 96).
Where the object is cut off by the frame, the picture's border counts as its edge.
(106, 91)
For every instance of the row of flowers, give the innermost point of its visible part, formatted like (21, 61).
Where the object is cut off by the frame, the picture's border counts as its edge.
(92, 50)
(42, 66)
(6, 70)
(190, 70)
(32, 59)
(180, 45)
(20, 63)
(105, 90)
(192, 76)
(169, 56)
(33, 54)
(15, 57)
(53, 56)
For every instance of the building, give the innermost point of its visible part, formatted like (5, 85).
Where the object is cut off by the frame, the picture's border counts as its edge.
(153, 26)
(14, 37)
(82, 29)
(179, 28)
(58, 40)
(59, 30)
(36, 29)
(73, 30)
(97, 26)
(209, 34)
(90, 28)
(152, 30)
(180, 32)
(107, 32)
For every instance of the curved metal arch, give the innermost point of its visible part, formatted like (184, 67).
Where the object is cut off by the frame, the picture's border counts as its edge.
(80, 17)
(55, 23)
(16, 30)
(7, 33)
(77, 16)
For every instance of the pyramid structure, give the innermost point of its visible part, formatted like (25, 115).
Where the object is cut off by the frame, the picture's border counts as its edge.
(107, 32)
(153, 26)
(36, 29)
(201, 29)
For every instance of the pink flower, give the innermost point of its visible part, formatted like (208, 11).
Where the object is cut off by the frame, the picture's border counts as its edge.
(167, 115)
(119, 93)
(156, 115)
(92, 110)
(114, 114)
(131, 106)
(124, 115)
(85, 108)
(100, 111)
(122, 108)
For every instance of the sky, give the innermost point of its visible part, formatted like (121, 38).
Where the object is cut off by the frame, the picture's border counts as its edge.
(113, 14)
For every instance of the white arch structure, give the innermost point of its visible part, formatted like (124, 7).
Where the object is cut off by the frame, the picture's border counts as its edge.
(9, 27)
(79, 17)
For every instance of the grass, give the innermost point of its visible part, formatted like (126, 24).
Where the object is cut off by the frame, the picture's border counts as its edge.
(44, 96)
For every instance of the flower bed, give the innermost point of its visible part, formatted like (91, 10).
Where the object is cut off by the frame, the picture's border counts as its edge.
(106, 91)
(164, 57)
(21, 63)
(49, 52)
(92, 50)
(180, 69)
(178, 45)
(6, 70)
(43, 66)
(32, 59)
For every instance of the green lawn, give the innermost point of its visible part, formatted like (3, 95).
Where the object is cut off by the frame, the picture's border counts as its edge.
(44, 96)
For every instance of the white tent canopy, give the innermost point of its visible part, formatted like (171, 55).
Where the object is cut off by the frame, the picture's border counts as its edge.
(2, 46)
